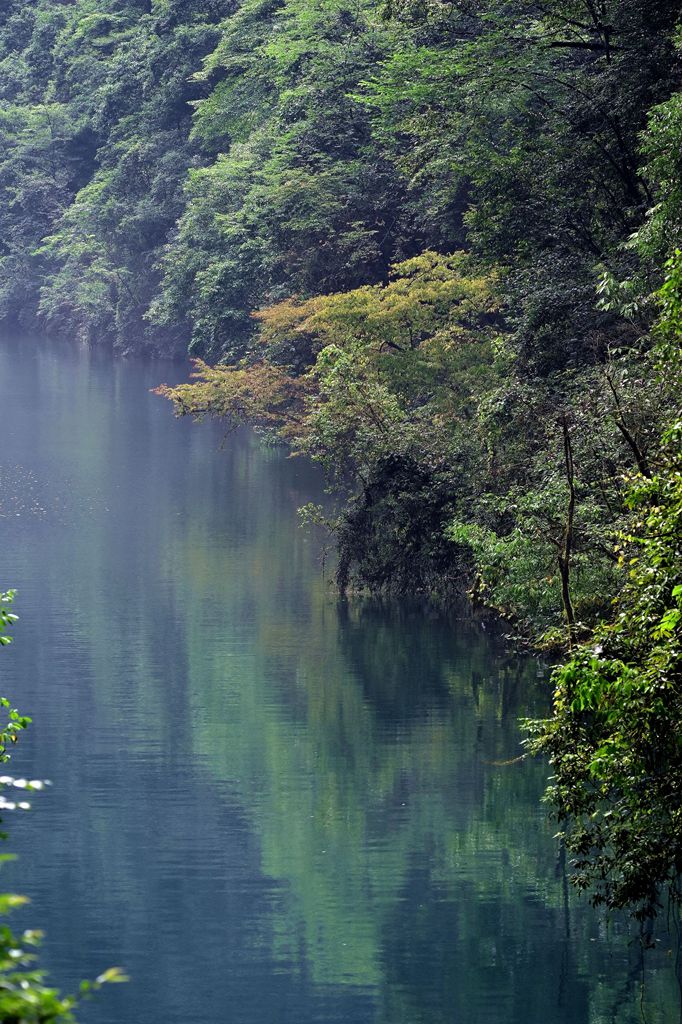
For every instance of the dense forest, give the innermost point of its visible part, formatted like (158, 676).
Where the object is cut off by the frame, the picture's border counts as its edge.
(436, 247)
(424, 243)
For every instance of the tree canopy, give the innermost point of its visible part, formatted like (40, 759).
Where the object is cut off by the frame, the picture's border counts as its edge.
(434, 247)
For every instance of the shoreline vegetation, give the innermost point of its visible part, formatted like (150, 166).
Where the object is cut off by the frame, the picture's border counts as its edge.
(437, 248)
(25, 997)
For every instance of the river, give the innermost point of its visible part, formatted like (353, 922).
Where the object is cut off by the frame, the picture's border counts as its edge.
(268, 806)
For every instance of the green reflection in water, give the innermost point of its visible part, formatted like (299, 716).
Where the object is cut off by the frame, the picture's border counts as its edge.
(362, 742)
(395, 858)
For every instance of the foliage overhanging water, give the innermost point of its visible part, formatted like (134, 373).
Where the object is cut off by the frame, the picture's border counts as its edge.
(267, 805)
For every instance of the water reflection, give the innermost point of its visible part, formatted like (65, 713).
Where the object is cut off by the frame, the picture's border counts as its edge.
(269, 806)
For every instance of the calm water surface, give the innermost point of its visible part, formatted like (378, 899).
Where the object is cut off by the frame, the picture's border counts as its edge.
(268, 806)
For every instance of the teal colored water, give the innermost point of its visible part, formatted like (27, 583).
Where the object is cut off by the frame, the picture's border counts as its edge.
(268, 806)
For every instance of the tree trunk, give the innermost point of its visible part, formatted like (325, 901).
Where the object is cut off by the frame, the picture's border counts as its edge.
(567, 547)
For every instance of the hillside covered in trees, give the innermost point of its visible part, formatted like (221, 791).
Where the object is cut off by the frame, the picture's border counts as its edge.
(435, 246)
(424, 241)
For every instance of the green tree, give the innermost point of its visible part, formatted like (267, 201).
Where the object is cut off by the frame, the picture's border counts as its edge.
(614, 738)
